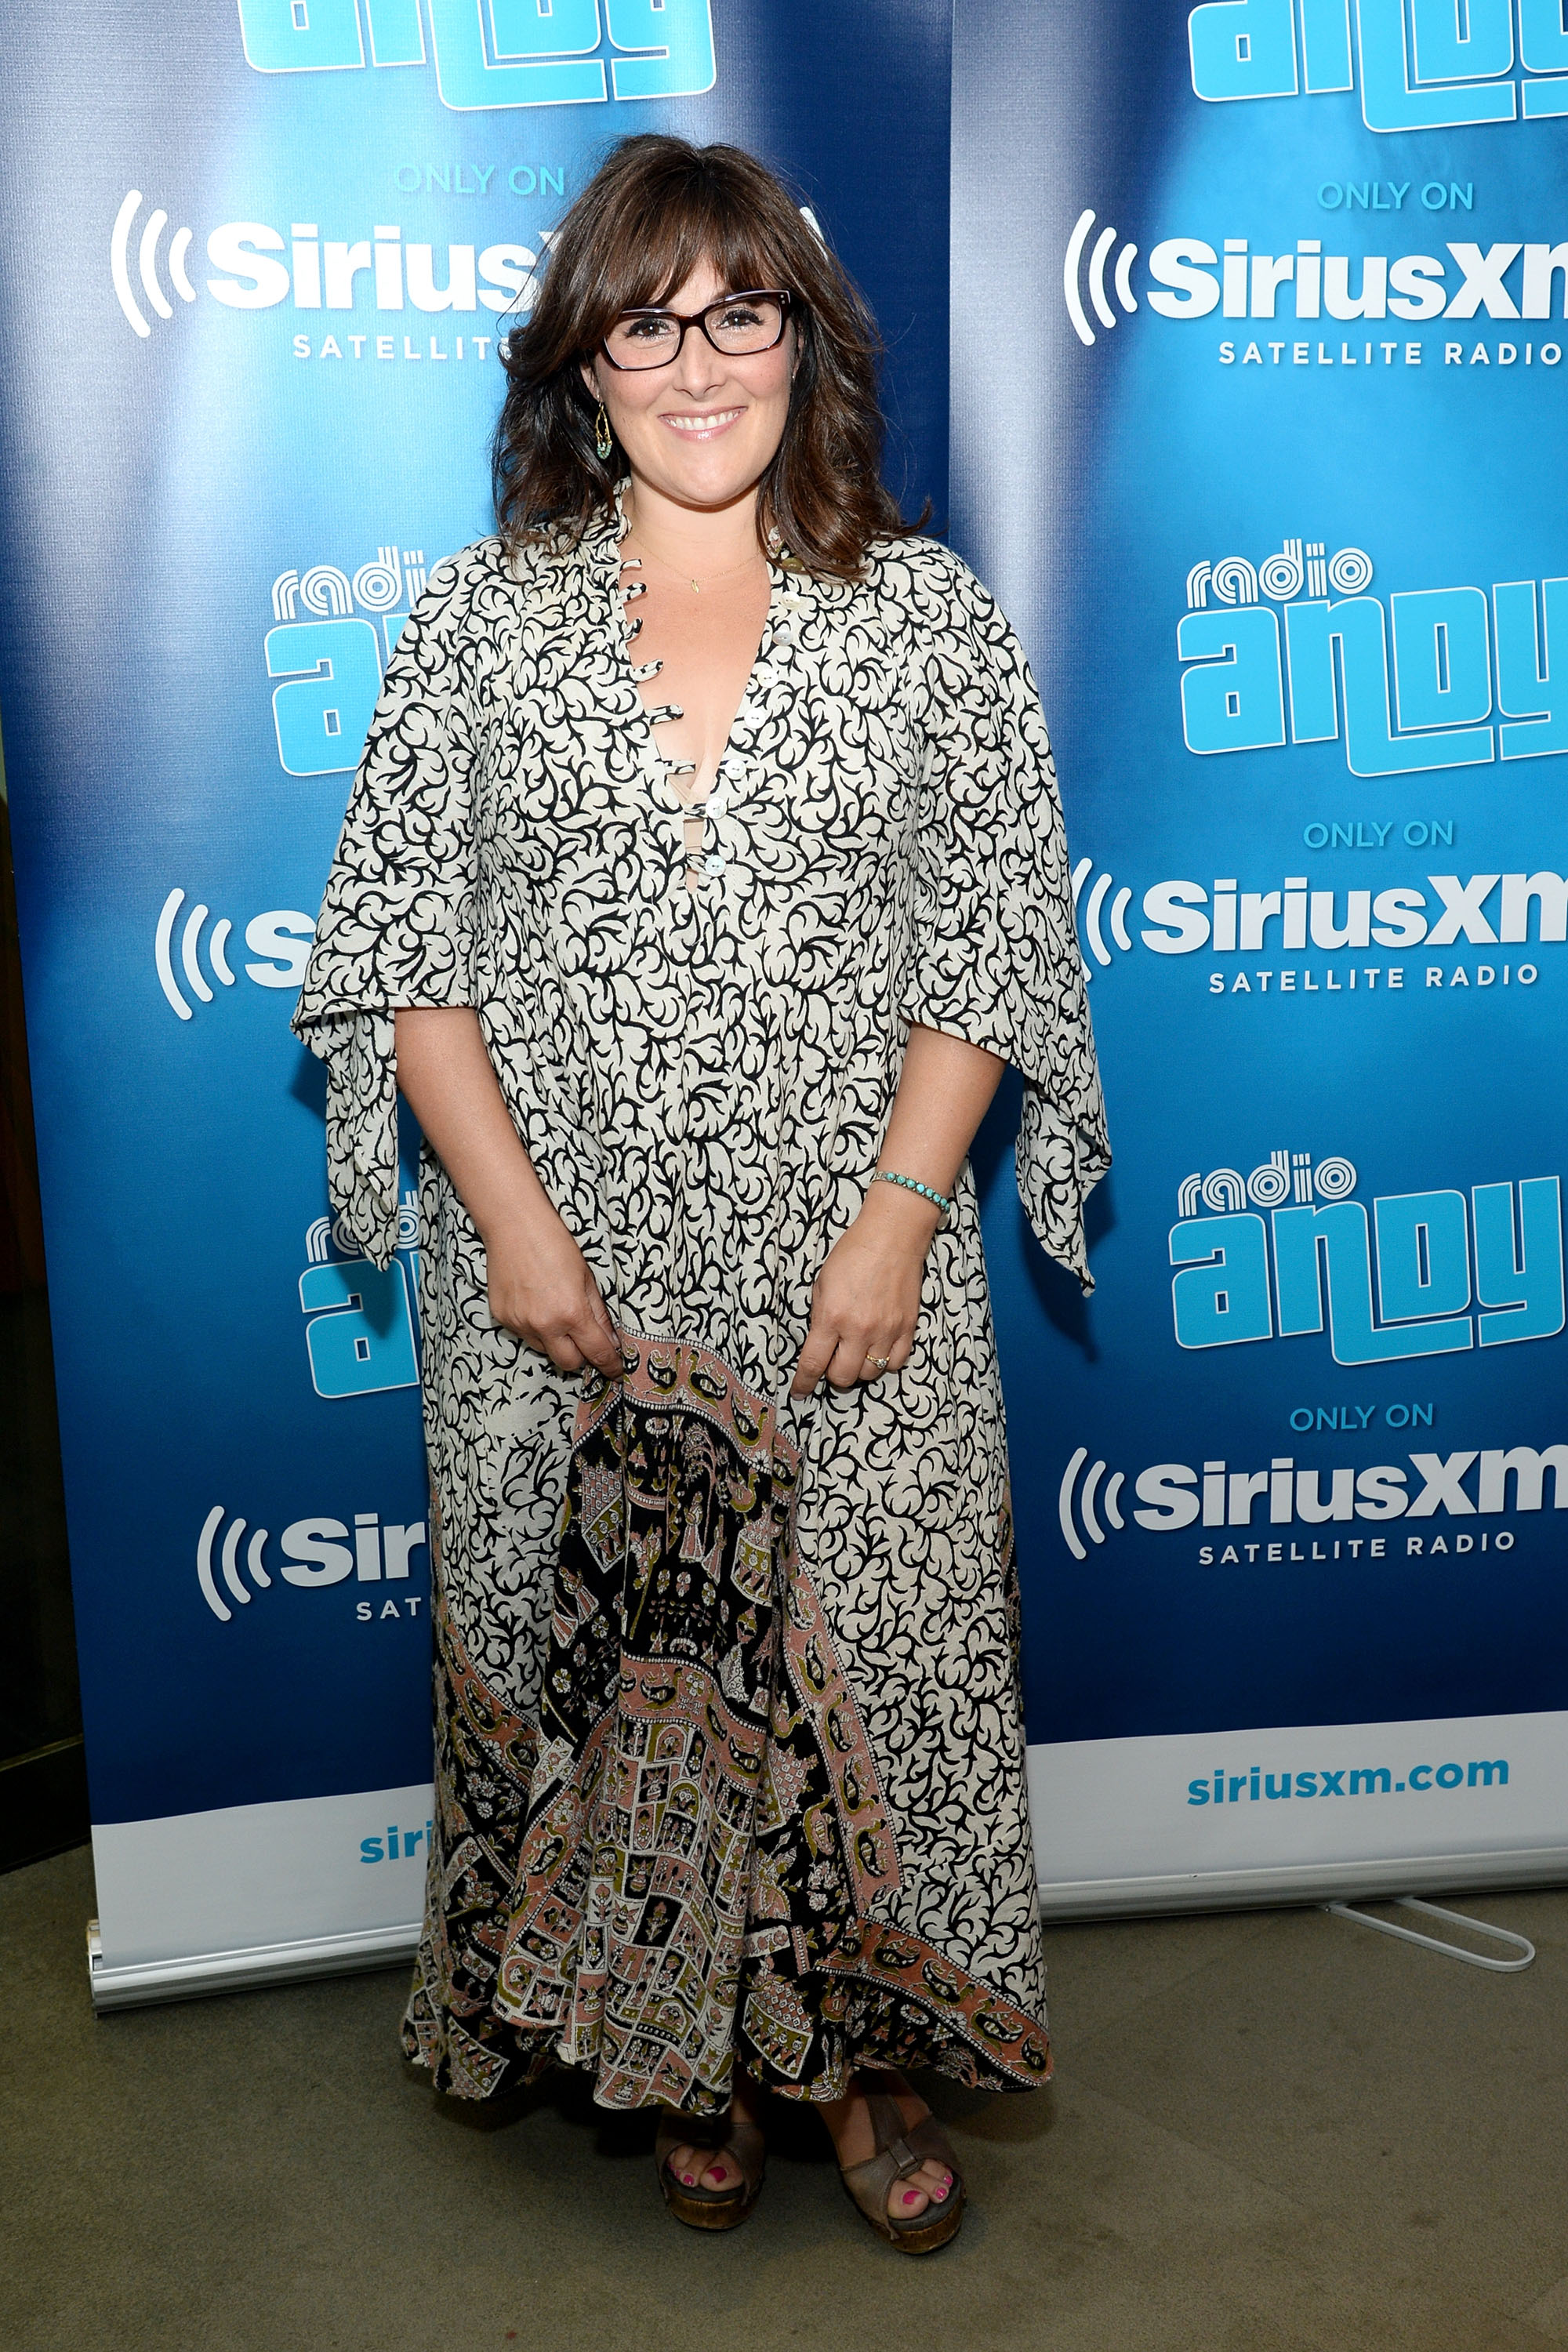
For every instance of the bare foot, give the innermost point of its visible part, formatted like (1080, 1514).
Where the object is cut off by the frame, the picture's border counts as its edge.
(855, 2140)
(715, 2168)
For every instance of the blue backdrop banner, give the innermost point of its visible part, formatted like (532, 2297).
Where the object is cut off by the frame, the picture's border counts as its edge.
(1258, 431)
(250, 340)
(1257, 370)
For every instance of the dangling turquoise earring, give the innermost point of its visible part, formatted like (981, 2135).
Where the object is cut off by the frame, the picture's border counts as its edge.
(604, 440)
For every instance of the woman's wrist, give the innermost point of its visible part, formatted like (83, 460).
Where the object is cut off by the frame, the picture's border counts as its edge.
(893, 1209)
(524, 1218)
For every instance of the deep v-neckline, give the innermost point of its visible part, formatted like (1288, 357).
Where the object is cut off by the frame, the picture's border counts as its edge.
(652, 714)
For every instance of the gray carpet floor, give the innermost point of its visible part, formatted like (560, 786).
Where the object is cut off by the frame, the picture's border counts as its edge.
(1268, 2133)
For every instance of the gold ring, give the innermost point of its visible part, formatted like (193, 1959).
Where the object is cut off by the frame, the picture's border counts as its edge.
(880, 1362)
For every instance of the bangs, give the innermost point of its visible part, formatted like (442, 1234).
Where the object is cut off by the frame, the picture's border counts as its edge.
(655, 252)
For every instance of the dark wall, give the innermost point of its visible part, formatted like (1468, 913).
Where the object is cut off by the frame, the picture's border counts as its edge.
(43, 1789)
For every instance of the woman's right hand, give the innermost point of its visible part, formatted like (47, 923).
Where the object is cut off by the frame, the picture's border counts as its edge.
(540, 1287)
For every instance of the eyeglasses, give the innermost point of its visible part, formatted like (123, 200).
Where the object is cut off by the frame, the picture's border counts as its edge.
(738, 326)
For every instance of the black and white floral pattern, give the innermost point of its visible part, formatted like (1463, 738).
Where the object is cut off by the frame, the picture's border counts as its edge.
(702, 1079)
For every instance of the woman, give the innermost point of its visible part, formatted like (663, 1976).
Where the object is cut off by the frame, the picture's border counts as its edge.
(703, 870)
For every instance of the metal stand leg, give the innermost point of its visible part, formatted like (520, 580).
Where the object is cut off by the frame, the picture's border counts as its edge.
(1435, 1943)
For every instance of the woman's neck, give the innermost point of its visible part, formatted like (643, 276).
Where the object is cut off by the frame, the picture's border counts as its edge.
(698, 543)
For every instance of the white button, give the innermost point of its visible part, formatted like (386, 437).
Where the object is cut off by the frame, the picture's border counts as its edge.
(734, 766)
(714, 862)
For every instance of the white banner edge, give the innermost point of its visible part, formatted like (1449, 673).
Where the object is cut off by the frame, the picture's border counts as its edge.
(143, 1984)
(1310, 1882)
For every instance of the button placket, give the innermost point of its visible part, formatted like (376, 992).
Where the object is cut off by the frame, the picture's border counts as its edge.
(700, 856)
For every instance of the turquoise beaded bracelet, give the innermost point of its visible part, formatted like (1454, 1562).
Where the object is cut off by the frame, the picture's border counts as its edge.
(886, 1176)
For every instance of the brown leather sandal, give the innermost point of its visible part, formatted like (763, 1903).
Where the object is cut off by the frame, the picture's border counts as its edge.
(901, 2149)
(699, 2207)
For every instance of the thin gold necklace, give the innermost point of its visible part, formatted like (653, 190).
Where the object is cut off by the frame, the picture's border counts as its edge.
(716, 582)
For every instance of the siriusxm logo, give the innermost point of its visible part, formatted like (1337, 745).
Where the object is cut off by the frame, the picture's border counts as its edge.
(1238, 921)
(1245, 1277)
(1419, 65)
(280, 938)
(314, 1553)
(1457, 656)
(360, 1336)
(1365, 1780)
(495, 53)
(1174, 1494)
(320, 274)
(1191, 280)
(1412, 285)
(1185, 917)
(405, 1845)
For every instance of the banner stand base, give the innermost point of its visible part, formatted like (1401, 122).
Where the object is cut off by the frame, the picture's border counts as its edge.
(1437, 1943)
(1321, 1883)
(137, 1984)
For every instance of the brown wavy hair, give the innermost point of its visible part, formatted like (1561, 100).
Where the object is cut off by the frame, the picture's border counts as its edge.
(655, 210)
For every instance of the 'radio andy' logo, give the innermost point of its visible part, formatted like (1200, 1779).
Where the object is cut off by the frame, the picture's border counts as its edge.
(1289, 1252)
(1478, 674)
(506, 53)
(360, 1331)
(1419, 65)
(328, 653)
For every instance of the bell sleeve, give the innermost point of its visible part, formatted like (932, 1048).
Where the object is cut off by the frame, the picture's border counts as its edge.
(396, 926)
(996, 959)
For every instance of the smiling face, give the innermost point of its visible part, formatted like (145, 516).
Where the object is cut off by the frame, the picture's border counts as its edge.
(703, 430)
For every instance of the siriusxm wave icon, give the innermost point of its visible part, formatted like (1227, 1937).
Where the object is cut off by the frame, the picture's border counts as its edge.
(361, 1337)
(1076, 1504)
(147, 263)
(1090, 911)
(311, 1554)
(495, 53)
(280, 938)
(1073, 270)
(1419, 65)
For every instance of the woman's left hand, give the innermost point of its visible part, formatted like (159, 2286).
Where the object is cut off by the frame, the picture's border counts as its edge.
(868, 1297)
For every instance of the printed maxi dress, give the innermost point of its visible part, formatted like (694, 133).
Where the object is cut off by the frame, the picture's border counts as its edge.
(729, 1758)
